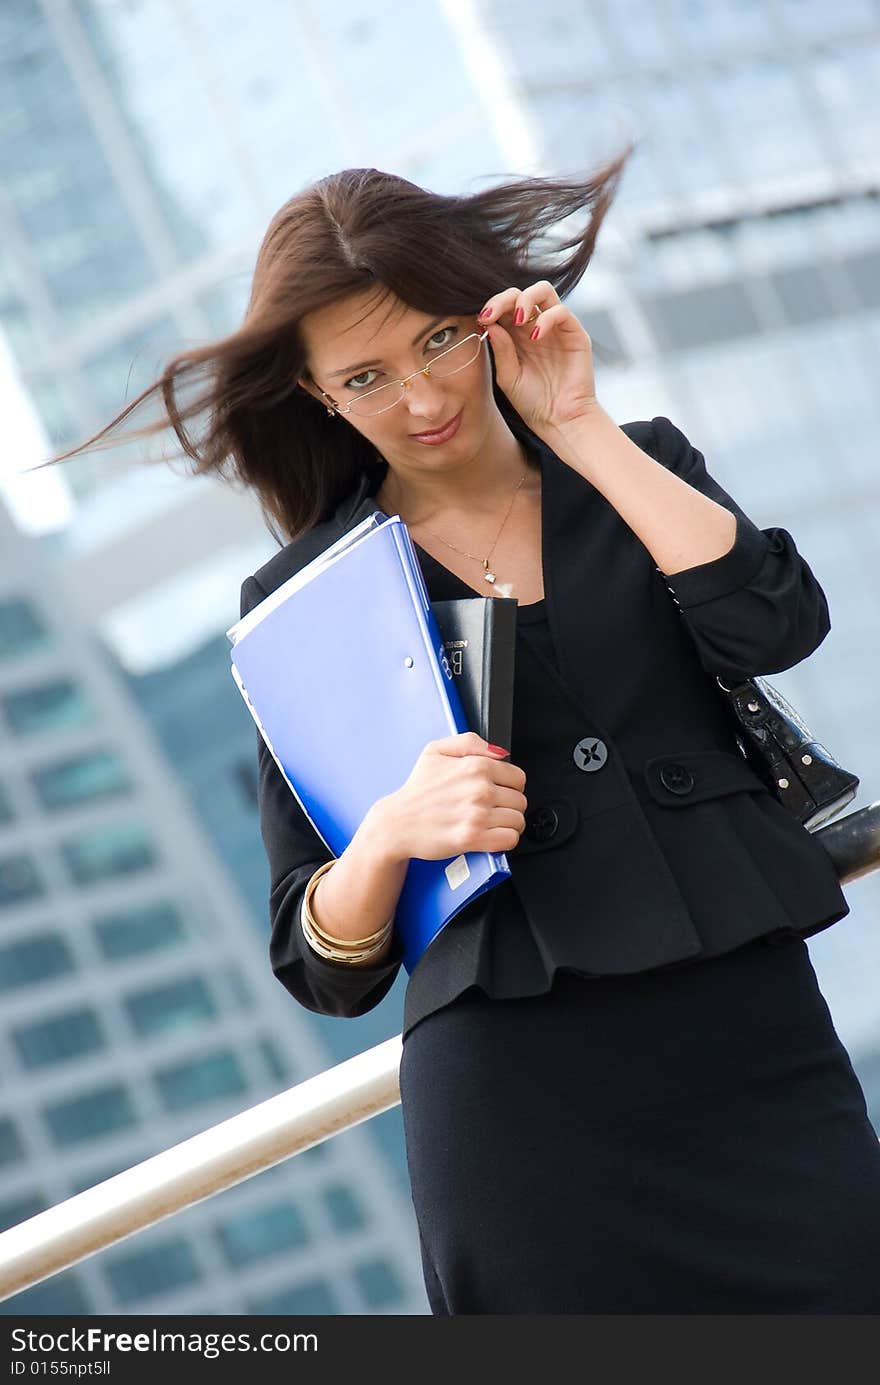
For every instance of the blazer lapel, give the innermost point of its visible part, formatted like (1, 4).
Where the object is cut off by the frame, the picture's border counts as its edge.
(571, 516)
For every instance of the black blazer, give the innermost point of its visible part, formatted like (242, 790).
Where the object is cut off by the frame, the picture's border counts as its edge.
(676, 850)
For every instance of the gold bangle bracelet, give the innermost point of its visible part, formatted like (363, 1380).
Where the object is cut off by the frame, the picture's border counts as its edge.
(347, 944)
(332, 940)
(336, 954)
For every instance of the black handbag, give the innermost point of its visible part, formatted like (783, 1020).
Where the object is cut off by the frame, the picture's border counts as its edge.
(776, 741)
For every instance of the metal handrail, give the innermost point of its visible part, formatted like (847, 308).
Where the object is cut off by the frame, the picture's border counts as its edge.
(853, 842)
(201, 1166)
(266, 1134)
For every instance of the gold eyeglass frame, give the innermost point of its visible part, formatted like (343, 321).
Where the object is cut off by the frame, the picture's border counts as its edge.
(425, 370)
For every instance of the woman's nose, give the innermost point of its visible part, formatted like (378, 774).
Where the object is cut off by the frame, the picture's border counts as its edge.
(424, 397)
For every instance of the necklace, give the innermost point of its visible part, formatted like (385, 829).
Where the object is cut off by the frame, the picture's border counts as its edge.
(484, 562)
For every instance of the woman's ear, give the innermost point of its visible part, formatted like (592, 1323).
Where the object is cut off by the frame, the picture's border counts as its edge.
(316, 394)
(305, 383)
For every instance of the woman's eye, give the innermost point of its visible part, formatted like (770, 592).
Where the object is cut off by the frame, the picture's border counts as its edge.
(448, 341)
(353, 384)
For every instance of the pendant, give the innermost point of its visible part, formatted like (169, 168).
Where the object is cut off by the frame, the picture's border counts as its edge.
(489, 576)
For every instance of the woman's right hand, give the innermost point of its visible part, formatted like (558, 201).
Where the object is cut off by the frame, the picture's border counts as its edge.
(460, 796)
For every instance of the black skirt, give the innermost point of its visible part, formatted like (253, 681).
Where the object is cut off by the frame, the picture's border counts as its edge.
(687, 1140)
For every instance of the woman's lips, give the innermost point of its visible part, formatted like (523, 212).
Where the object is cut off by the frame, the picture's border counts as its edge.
(440, 434)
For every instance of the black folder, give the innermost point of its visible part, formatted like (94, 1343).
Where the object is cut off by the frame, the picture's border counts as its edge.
(479, 640)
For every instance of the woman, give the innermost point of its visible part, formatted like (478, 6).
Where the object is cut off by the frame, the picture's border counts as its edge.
(621, 1088)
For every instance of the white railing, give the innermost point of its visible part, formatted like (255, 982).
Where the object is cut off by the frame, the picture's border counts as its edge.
(197, 1168)
(264, 1135)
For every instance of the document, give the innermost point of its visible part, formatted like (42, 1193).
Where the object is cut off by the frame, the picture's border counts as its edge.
(344, 672)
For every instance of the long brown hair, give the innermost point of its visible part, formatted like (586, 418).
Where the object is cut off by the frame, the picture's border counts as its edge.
(348, 232)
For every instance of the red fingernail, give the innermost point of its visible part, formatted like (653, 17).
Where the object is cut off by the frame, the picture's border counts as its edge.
(519, 317)
(533, 336)
(487, 312)
(499, 749)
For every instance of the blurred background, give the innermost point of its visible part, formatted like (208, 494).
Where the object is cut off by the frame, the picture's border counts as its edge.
(144, 146)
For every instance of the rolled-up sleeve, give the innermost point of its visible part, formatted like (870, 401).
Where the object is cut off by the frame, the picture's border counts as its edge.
(295, 851)
(758, 608)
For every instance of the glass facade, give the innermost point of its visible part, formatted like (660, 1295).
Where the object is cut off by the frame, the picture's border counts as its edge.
(379, 1283)
(312, 1296)
(253, 1236)
(184, 1085)
(105, 852)
(143, 929)
(90, 1116)
(62, 1039)
(31, 961)
(21, 630)
(47, 707)
(11, 1145)
(343, 1207)
(139, 1274)
(88, 778)
(20, 880)
(180, 1004)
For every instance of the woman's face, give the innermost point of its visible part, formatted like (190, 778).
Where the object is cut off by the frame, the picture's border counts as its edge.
(350, 350)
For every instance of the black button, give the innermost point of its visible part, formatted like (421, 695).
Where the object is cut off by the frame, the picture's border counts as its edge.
(541, 824)
(676, 778)
(590, 754)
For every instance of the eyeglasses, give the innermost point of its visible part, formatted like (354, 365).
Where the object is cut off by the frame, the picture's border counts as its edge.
(444, 364)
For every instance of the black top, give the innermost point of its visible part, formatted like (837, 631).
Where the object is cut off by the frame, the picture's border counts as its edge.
(533, 613)
(513, 960)
(676, 850)
(516, 963)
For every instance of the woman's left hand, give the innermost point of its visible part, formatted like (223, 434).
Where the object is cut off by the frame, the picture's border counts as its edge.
(543, 356)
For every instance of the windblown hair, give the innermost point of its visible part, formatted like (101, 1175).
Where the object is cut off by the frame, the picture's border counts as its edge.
(347, 233)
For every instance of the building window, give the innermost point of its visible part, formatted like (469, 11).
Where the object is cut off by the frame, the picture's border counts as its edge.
(201, 1079)
(11, 1147)
(21, 629)
(702, 316)
(107, 852)
(90, 1116)
(20, 880)
(178, 1005)
(379, 1282)
(60, 1039)
(58, 706)
(146, 928)
(257, 1235)
(6, 813)
(21, 1209)
(34, 959)
(86, 779)
(312, 1296)
(343, 1207)
(144, 1273)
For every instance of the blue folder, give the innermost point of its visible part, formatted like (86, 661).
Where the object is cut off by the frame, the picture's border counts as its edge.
(344, 672)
